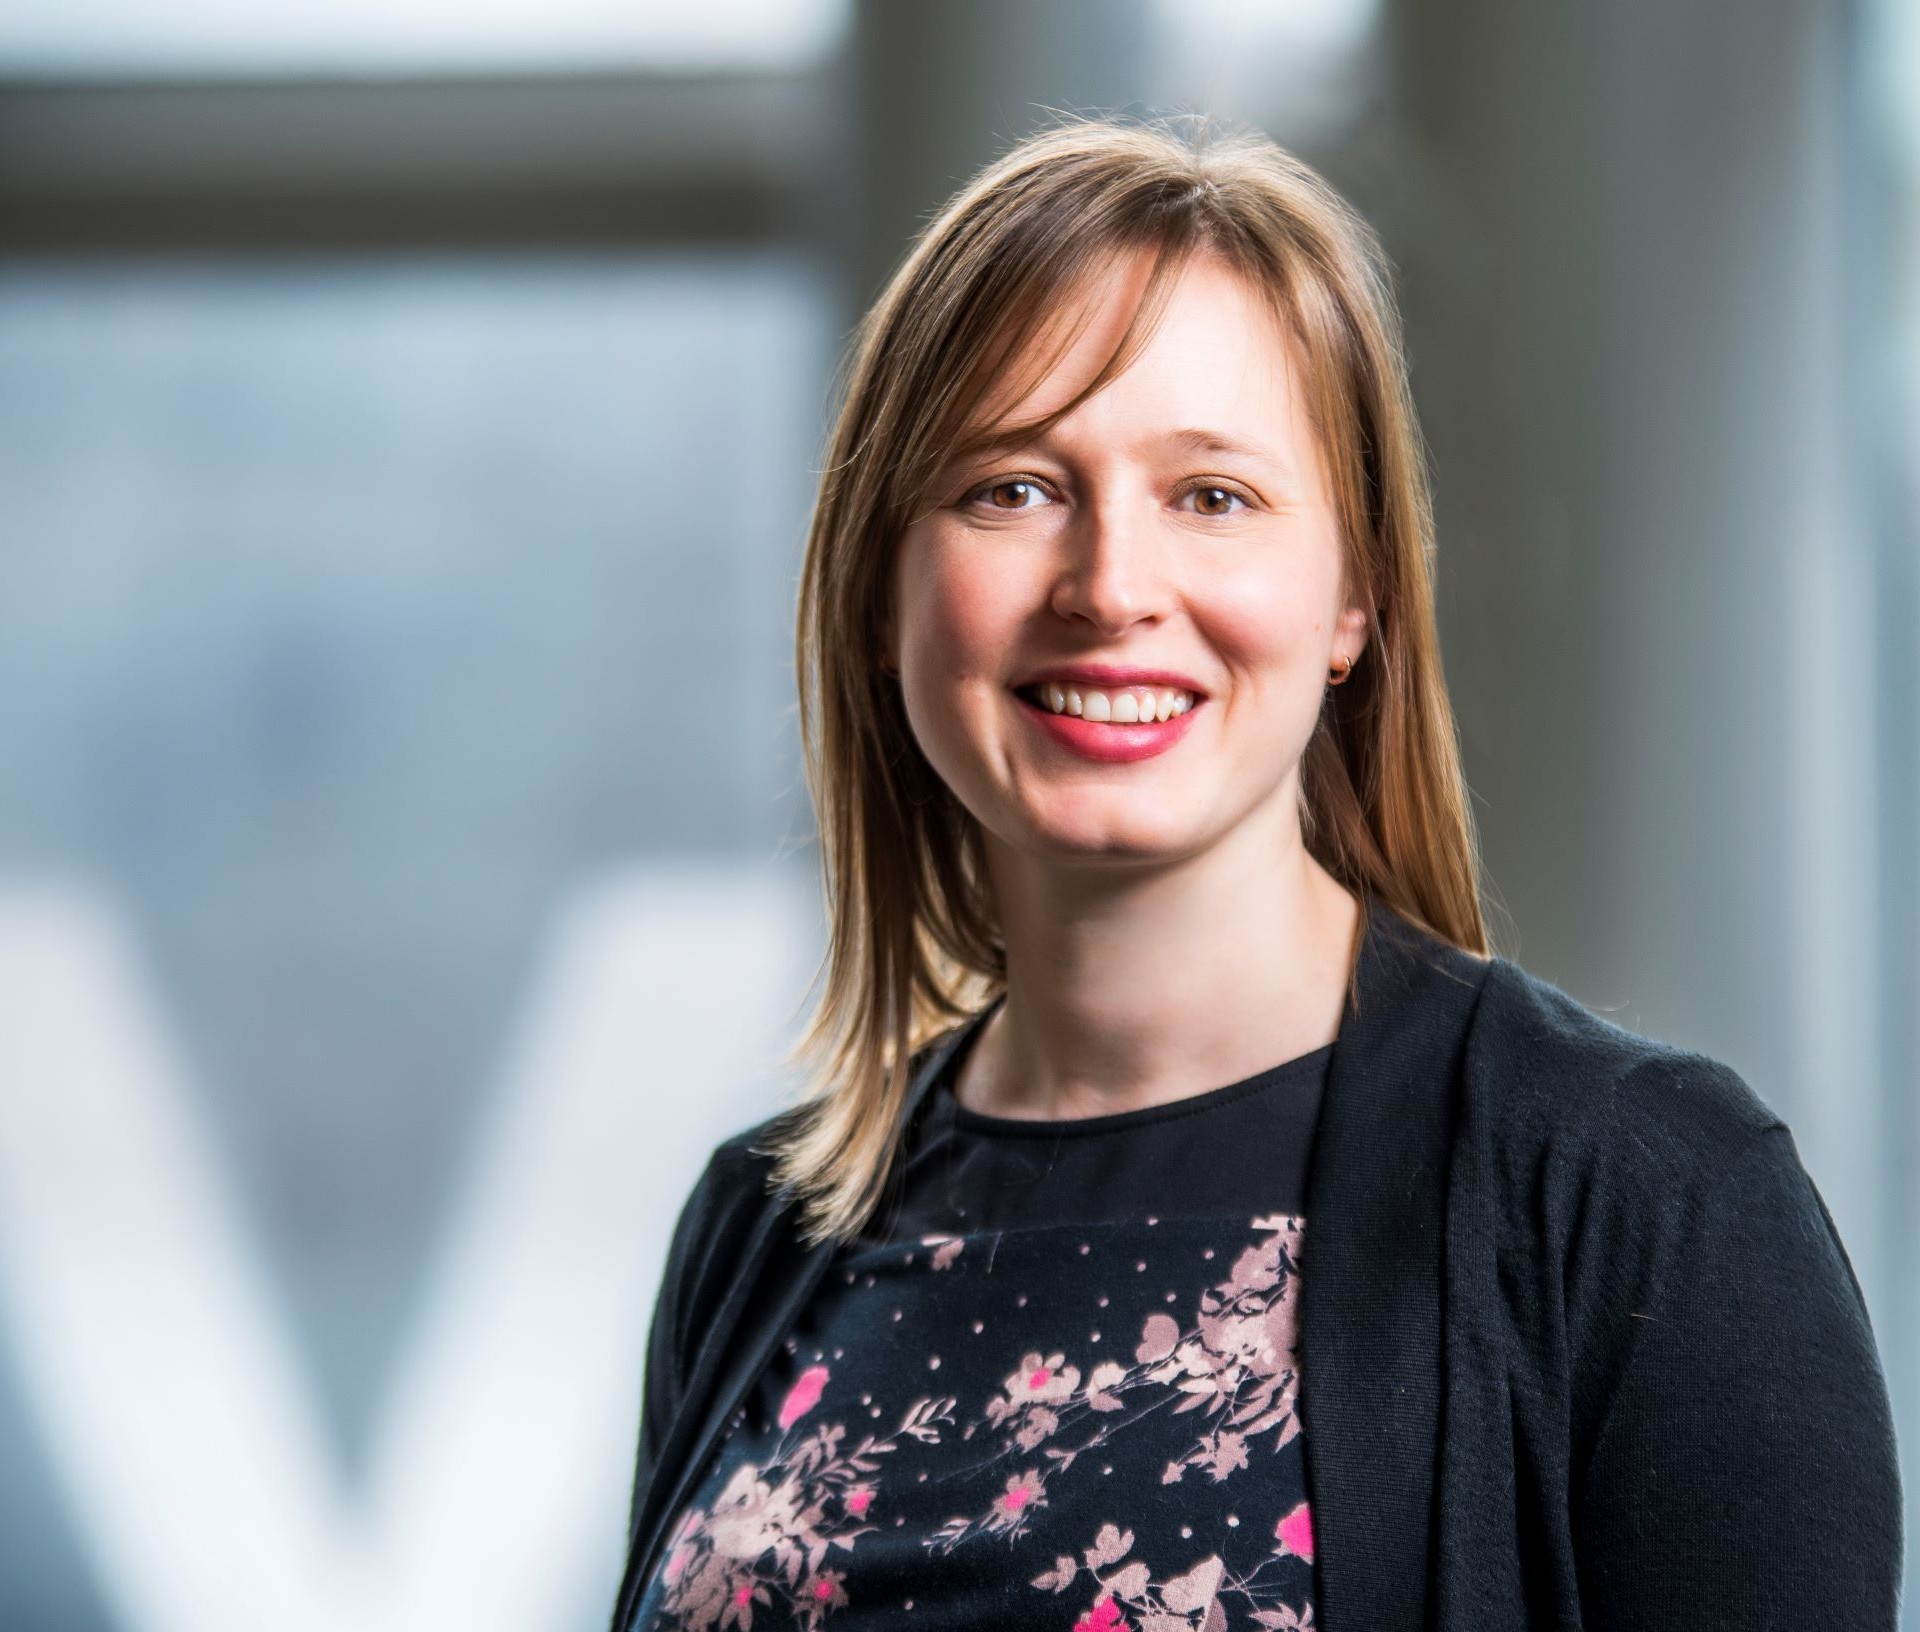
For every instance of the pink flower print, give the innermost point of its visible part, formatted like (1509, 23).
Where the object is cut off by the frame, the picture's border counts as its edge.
(1157, 1339)
(1038, 1380)
(684, 1550)
(827, 1590)
(1295, 1532)
(946, 1248)
(769, 1524)
(1019, 1493)
(1105, 1616)
(752, 1513)
(1041, 1421)
(803, 1396)
(740, 1602)
(1245, 1338)
(1033, 1385)
(1010, 1509)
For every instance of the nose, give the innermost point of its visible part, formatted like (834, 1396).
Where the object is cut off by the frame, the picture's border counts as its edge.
(1114, 575)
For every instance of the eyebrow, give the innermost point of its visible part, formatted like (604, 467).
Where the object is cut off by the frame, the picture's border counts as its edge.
(1186, 439)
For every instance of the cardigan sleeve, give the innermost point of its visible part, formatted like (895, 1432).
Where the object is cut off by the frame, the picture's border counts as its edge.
(1745, 1473)
(662, 1384)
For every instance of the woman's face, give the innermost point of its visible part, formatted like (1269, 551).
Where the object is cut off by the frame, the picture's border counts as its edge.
(1178, 524)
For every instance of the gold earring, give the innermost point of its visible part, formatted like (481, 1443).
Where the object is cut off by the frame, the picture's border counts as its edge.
(1338, 677)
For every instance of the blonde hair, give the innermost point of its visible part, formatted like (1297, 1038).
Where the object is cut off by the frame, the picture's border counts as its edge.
(914, 945)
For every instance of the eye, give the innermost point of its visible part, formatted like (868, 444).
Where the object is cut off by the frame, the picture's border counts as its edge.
(1006, 484)
(1214, 492)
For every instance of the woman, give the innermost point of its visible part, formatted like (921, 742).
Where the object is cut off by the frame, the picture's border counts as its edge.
(1192, 1225)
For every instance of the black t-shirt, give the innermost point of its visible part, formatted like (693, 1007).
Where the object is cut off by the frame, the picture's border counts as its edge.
(1054, 1385)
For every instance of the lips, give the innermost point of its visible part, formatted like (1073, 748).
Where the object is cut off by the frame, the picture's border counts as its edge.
(1107, 743)
(1110, 676)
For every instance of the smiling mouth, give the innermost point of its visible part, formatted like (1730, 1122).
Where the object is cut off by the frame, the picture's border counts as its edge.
(1110, 705)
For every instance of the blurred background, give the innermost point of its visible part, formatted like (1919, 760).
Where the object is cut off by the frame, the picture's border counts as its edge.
(408, 417)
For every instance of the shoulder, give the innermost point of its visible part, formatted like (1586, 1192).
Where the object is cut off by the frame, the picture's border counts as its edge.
(1609, 1161)
(1538, 1044)
(733, 1196)
(737, 1182)
(1639, 1227)
(739, 1169)
(719, 1217)
(1564, 1101)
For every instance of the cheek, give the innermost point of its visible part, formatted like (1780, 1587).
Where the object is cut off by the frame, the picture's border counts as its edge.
(959, 626)
(959, 616)
(1270, 617)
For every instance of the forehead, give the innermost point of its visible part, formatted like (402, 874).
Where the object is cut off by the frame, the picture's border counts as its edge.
(1217, 356)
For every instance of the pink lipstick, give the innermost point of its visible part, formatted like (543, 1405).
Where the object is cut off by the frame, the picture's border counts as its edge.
(1105, 742)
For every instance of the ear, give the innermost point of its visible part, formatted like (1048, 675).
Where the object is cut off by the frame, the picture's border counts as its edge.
(1350, 633)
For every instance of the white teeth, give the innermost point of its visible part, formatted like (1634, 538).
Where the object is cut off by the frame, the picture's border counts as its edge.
(1119, 707)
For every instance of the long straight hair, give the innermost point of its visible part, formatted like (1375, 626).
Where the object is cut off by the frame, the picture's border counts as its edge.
(914, 944)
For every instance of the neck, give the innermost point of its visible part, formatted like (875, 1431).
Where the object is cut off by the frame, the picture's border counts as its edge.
(1128, 988)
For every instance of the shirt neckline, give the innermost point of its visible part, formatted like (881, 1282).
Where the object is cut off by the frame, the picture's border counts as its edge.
(1301, 1066)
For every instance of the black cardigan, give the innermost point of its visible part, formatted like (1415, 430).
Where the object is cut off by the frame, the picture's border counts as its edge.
(1580, 1344)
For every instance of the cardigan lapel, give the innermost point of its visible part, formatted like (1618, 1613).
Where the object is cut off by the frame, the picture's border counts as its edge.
(775, 1277)
(1372, 1296)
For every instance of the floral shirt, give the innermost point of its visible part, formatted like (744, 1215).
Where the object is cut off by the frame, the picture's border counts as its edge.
(1056, 1388)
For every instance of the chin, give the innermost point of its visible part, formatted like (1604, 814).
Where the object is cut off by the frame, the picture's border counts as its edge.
(1115, 838)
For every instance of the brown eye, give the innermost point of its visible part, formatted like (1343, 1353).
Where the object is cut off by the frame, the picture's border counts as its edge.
(1017, 486)
(1215, 500)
